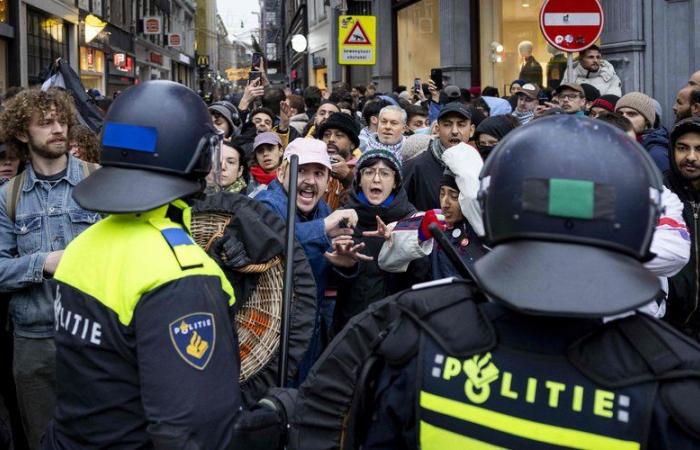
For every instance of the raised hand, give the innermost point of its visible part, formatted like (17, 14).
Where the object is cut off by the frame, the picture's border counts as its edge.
(345, 252)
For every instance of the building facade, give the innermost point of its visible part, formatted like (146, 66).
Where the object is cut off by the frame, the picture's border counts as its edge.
(317, 20)
(459, 36)
(653, 45)
(8, 9)
(111, 44)
(272, 18)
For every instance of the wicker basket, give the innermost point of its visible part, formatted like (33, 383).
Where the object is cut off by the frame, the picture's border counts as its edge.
(259, 319)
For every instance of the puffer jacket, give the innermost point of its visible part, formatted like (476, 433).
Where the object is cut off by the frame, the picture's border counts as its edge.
(605, 79)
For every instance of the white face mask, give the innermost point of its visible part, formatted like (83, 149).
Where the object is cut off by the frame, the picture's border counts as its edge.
(424, 130)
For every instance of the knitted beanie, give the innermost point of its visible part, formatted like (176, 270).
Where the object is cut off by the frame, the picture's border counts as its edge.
(415, 145)
(639, 102)
(343, 122)
(370, 156)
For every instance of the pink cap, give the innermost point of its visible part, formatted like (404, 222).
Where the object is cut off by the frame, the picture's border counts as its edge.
(309, 151)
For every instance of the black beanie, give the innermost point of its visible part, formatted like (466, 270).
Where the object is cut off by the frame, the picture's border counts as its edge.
(448, 180)
(343, 122)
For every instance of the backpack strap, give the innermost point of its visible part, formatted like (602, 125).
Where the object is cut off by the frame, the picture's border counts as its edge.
(14, 186)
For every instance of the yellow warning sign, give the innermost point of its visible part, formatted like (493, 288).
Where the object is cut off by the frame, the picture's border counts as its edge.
(357, 43)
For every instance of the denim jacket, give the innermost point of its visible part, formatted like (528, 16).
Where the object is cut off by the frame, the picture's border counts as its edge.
(46, 219)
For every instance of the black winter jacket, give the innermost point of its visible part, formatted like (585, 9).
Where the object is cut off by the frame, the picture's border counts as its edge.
(366, 283)
(683, 305)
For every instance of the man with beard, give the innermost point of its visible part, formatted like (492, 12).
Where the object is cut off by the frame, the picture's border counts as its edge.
(682, 105)
(684, 180)
(38, 218)
(639, 109)
(340, 133)
(423, 173)
(572, 98)
(592, 69)
(528, 99)
(315, 225)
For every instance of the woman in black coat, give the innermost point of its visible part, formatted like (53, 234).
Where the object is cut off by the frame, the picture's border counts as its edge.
(377, 192)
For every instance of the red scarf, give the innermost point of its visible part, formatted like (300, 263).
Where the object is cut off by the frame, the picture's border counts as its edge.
(261, 176)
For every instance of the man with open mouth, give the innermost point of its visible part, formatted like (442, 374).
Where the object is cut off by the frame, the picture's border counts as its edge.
(315, 225)
(423, 173)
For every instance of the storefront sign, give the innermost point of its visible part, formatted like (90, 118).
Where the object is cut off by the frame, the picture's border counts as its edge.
(174, 40)
(357, 40)
(91, 60)
(152, 25)
(571, 25)
(121, 64)
(156, 58)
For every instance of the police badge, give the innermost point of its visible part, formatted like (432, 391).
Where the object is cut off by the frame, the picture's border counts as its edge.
(193, 336)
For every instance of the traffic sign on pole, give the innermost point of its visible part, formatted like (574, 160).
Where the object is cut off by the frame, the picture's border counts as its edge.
(357, 40)
(571, 25)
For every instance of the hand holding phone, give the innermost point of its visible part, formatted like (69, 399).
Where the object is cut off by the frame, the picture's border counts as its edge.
(254, 76)
(256, 61)
(436, 76)
(417, 85)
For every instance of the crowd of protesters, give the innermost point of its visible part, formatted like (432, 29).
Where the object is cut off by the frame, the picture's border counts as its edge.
(375, 170)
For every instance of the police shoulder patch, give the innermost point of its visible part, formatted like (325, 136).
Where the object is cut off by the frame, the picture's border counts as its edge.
(193, 337)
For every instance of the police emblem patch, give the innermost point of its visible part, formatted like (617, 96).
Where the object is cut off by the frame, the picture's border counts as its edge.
(193, 337)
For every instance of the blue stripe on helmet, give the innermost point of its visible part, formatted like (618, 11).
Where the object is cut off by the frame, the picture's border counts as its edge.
(130, 137)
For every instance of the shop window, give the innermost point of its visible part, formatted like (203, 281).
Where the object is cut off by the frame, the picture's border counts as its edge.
(47, 40)
(513, 23)
(418, 39)
(4, 11)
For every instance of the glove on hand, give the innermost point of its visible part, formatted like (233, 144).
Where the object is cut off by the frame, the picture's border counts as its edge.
(265, 426)
(228, 251)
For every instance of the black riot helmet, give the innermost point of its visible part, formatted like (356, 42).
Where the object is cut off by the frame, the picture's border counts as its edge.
(157, 146)
(570, 205)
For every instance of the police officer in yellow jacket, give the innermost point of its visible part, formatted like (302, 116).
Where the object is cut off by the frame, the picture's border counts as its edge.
(558, 359)
(146, 352)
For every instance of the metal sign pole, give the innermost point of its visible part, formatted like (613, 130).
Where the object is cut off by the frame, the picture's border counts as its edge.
(288, 272)
(570, 67)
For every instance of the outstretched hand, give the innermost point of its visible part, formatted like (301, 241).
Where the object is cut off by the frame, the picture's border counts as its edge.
(383, 231)
(345, 252)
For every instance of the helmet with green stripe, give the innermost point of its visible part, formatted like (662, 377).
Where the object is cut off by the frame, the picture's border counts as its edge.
(570, 206)
(157, 145)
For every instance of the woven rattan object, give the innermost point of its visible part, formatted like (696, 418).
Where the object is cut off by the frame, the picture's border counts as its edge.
(258, 321)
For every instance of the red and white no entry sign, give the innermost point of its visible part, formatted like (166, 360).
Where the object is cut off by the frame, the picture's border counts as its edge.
(571, 25)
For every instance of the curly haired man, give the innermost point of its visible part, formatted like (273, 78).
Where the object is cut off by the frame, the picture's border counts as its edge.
(38, 218)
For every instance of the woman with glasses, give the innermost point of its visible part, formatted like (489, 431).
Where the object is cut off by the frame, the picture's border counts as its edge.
(377, 194)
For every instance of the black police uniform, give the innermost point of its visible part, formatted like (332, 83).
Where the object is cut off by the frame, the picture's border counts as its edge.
(533, 385)
(145, 345)
(146, 351)
(539, 368)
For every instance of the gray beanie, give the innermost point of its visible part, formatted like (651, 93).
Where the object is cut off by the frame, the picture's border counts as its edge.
(415, 145)
(639, 102)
